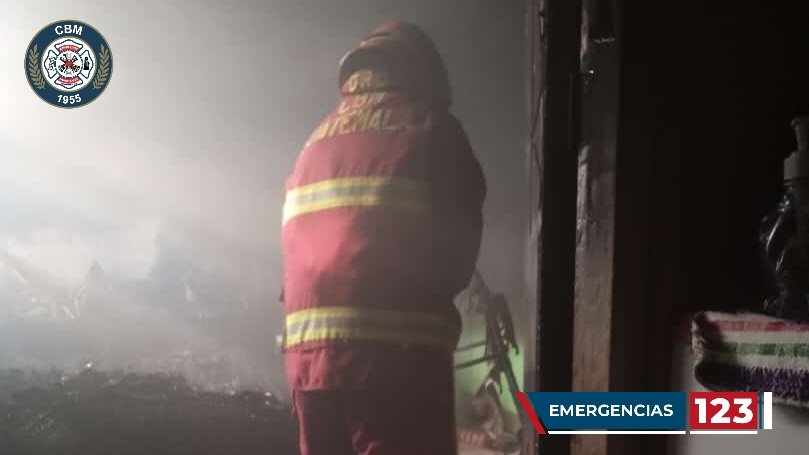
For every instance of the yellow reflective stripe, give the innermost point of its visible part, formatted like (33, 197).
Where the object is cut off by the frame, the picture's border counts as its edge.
(354, 181)
(364, 313)
(355, 192)
(350, 201)
(351, 334)
(361, 324)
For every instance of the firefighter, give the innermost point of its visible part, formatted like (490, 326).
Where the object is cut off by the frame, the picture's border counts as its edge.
(381, 229)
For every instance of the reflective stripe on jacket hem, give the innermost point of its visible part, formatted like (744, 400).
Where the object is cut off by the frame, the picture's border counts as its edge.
(363, 324)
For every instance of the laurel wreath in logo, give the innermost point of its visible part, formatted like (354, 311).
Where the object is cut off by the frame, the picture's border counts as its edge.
(103, 68)
(33, 68)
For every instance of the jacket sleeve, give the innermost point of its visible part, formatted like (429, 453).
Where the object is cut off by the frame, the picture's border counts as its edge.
(458, 190)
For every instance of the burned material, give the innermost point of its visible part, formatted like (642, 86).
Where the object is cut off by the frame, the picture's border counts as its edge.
(99, 413)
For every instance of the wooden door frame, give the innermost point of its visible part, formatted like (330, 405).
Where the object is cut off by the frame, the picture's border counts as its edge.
(589, 266)
(553, 80)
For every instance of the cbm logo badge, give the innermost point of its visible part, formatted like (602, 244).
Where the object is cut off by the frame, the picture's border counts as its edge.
(68, 64)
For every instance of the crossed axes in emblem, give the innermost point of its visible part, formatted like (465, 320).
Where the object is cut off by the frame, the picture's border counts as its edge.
(68, 66)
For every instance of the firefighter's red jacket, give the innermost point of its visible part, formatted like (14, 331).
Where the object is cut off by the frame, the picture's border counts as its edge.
(381, 229)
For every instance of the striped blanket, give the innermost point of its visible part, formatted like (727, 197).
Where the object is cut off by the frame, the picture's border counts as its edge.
(752, 352)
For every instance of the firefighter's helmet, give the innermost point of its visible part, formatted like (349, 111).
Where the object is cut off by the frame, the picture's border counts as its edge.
(407, 51)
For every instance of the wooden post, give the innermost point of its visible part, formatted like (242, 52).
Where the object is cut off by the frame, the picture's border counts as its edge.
(553, 45)
(593, 353)
(590, 265)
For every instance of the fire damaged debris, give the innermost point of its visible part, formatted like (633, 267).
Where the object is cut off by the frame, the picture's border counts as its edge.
(784, 236)
(126, 413)
(482, 417)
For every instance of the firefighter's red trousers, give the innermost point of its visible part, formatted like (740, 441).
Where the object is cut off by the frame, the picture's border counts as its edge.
(395, 422)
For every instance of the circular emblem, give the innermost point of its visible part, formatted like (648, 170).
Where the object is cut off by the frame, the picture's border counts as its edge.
(68, 63)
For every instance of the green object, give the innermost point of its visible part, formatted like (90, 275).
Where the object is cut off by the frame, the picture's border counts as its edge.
(468, 380)
(487, 358)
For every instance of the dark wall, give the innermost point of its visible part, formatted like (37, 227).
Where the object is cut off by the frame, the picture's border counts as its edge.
(710, 88)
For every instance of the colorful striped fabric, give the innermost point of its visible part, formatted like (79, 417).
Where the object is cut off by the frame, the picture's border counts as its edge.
(752, 352)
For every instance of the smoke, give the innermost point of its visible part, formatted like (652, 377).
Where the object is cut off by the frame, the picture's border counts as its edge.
(151, 241)
(67, 256)
(141, 303)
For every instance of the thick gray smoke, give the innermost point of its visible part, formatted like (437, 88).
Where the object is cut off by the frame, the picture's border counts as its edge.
(141, 232)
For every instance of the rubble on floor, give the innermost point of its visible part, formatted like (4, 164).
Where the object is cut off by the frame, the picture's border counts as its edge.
(102, 413)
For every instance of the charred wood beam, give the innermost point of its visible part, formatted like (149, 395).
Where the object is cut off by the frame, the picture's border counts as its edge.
(553, 52)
